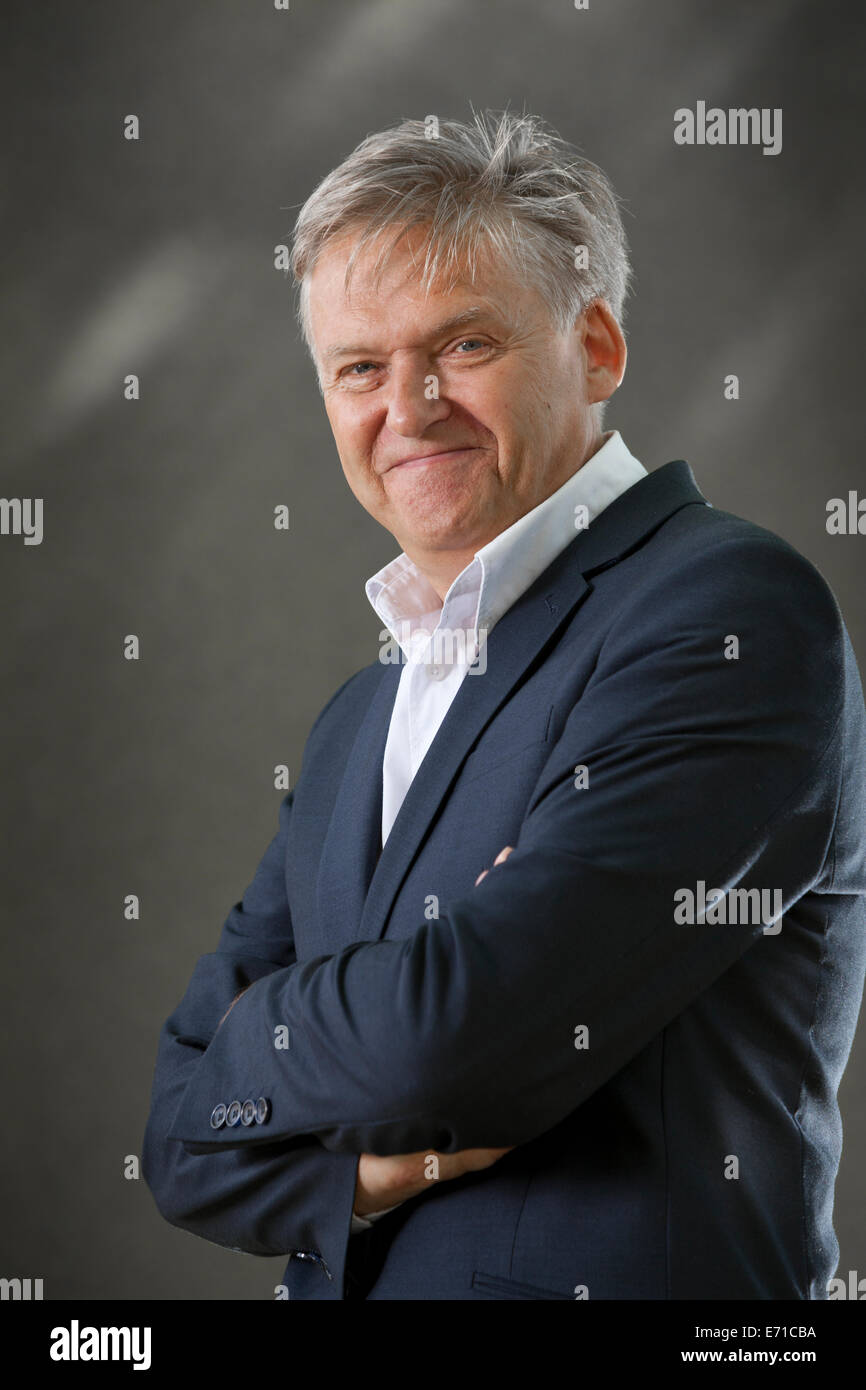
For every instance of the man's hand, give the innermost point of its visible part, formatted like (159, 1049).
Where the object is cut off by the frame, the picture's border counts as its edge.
(231, 1006)
(500, 859)
(387, 1181)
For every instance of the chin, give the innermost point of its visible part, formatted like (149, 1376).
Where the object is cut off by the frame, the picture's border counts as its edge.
(445, 527)
(443, 530)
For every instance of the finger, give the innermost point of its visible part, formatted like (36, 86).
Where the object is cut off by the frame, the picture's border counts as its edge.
(500, 859)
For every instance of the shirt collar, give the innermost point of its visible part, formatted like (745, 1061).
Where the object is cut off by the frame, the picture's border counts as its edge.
(506, 566)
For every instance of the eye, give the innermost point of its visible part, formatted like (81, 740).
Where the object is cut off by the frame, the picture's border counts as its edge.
(358, 374)
(474, 342)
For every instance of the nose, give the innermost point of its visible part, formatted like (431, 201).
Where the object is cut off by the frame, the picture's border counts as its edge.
(413, 399)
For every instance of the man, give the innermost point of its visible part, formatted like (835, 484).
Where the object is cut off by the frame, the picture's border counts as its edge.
(545, 985)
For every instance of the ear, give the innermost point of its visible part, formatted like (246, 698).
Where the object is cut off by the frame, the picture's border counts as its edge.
(605, 349)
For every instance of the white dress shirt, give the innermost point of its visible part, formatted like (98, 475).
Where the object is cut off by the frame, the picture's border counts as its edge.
(440, 641)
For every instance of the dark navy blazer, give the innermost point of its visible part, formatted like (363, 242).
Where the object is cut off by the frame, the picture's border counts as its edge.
(670, 1087)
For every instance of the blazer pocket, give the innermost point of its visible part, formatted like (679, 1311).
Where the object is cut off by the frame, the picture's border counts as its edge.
(494, 1286)
(473, 772)
(483, 761)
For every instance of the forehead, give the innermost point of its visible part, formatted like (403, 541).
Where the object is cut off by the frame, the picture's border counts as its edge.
(394, 295)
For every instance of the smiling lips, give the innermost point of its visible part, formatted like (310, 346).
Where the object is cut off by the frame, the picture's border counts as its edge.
(440, 456)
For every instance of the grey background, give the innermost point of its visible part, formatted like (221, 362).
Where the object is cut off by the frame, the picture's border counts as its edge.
(156, 257)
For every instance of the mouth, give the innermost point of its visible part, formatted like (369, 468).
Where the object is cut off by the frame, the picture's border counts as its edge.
(431, 460)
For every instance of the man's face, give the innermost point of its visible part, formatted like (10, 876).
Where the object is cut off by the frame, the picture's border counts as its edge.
(453, 414)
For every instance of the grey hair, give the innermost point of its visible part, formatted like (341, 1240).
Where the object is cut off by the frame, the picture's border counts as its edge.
(505, 184)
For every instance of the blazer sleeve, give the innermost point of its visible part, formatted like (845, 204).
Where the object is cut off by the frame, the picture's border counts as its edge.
(282, 1194)
(701, 768)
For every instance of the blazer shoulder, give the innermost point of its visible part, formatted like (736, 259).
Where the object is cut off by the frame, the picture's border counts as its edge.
(357, 690)
(706, 570)
(714, 545)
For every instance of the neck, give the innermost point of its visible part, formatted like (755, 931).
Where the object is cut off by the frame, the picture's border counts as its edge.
(441, 567)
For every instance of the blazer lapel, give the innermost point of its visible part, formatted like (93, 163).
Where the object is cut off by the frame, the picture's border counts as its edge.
(513, 644)
(354, 839)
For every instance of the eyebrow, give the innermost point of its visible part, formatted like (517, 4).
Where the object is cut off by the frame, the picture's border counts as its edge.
(471, 315)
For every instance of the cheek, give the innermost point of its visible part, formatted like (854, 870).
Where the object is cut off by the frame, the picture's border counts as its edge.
(514, 401)
(517, 418)
(545, 402)
(491, 405)
(353, 436)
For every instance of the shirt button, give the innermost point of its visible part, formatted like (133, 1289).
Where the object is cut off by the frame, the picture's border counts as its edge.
(218, 1116)
(233, 1113)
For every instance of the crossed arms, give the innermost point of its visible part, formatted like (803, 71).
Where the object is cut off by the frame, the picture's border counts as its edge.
(462, 1036)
